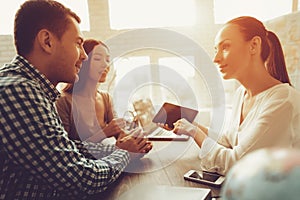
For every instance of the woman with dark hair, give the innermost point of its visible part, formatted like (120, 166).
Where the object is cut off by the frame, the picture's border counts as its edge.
(266, 110)
(87, 113)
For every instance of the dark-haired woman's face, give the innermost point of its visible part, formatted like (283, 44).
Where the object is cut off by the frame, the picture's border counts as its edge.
(232, 52)
(99, 63)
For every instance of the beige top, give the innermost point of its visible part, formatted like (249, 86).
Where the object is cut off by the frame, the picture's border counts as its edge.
(273, 121)
(79, 117)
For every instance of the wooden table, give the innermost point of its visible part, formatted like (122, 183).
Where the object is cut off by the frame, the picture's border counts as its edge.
(166, 164)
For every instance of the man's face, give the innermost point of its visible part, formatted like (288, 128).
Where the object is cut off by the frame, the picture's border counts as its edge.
(68, 55)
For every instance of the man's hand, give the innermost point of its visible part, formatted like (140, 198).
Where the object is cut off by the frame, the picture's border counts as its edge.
(135, 143)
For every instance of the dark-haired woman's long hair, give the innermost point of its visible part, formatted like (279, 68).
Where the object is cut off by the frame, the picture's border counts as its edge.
(83, 75)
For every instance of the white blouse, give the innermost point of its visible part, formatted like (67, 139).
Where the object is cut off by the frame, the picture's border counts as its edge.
(273, 121)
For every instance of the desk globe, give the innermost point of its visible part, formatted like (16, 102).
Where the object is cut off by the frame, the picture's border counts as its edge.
(265, 174)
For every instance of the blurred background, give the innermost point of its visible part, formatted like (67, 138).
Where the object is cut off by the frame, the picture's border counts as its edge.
(197, 20)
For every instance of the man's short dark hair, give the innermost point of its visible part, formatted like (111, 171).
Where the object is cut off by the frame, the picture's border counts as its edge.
(35, 15)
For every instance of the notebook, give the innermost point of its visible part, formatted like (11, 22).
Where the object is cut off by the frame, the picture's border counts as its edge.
(163, 192)
(145, 114)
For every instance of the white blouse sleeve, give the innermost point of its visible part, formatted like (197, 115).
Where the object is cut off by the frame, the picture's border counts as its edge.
(274, 125)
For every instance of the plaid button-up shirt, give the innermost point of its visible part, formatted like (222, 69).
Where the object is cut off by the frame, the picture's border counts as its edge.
(37, 159)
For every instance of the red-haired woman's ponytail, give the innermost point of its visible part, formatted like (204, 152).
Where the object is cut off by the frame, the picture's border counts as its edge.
(276, 63)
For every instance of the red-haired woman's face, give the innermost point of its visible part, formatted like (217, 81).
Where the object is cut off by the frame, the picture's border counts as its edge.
(99, 63)
(232, 53)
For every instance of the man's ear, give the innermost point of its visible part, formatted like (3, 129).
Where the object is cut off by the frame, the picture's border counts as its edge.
(45, 40)
(255, 45)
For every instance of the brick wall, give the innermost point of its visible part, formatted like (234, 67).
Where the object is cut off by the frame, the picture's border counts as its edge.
(287, 28)
(7, 49)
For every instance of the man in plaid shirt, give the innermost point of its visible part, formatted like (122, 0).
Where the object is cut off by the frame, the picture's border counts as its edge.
(37, 159)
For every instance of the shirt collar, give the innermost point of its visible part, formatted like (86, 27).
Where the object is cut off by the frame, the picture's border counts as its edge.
(36, 75)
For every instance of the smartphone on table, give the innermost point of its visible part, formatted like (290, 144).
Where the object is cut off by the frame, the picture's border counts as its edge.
(204, 177)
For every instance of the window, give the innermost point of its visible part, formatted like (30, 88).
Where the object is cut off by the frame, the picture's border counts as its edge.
(80, 7)
(124, 65)
(180, 65)
(7, 14)
(169, 78)
(151, 14)
(263, 10)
